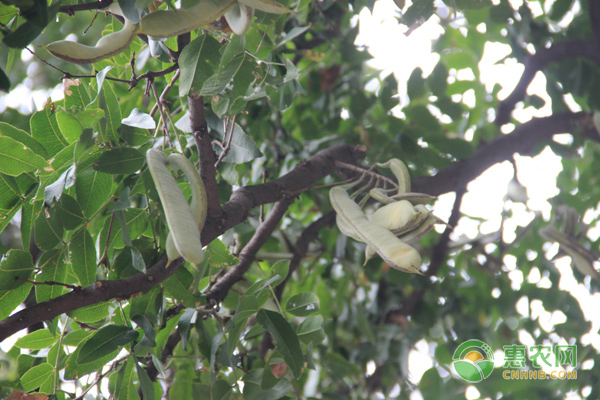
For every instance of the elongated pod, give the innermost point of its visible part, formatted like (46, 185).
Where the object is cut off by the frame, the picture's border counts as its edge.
(108, 46)
(167, 23)
(268, 6)
(400, 171)
(184, 233)
(392, 250)
(239, 18)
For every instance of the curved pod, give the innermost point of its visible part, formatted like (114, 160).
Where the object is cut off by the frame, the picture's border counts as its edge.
(185, 235)
(392, 250)
(108, 46)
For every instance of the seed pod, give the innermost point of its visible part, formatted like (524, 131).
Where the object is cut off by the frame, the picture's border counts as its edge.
(184, 234)
(392, 250)
(239, 18)
(400, 171)
(108, 46)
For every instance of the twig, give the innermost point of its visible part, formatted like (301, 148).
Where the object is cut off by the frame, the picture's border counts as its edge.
(104, 258)
(163, 95)
(73, 8)
(51, 283)
(229, 138)
(163, 118)
(101, 376)
(218, 292)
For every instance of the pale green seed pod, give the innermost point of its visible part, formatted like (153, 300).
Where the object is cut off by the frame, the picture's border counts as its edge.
(167, 23)
(108, 46)
(268, 6)
(184, 232)
(239, 18)
(392, 250)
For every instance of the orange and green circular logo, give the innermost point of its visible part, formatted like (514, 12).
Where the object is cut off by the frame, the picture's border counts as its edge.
(473, 360)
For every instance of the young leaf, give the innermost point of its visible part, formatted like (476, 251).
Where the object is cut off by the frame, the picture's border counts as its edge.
(36, 376)
(83, 257)
(104, 341)
(15, 267)
(285, 338)
(311, 330)
(16, 158)
(303, 304)
(36, 340)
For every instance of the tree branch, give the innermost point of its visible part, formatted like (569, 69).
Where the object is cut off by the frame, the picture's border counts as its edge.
(96, 293)
(248, 254)
(523, 140)
(71, 9)
(300, 178)
(206, 154)
(537, 62)
(310, 171)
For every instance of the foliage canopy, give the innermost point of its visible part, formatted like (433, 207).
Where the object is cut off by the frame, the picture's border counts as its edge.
(282, 306)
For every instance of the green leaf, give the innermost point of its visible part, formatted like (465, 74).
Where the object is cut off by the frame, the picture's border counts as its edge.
(44, 129)
(70, 212)
(149, 335)
(281, 268)
(70, 126)
(104, 341)
(247, 306)
(125, 389)
(36, 376)
(243, 148)
(49, 231)
(16, 266)
(92, 189)
(148, 304)
(220, 390)
(108, 101)
(76, 94)
(198, 61)
(311, 330)
(4, 81)
(303, 304)
(137, 221)
(82, 252)
(124, 160)
(16, 158)
(54, 269)
(11, 299)
(36, 340)
(145, 382)
(10, 194)
(23, 137)
(285, 338)
(184, 326)
(179, 286)
(91, 313)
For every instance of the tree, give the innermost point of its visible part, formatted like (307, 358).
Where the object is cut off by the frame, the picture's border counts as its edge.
(282, 306)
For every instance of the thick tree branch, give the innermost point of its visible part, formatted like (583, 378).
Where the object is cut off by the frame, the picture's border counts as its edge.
(302, 177)
(523, 140)
(206, 154)
(98, 292)
(248, 254)
(537, 62)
